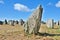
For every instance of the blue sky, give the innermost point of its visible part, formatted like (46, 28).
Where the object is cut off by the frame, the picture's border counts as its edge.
(22, 9)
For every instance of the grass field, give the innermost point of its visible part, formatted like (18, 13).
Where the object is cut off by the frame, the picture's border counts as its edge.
(8, 32)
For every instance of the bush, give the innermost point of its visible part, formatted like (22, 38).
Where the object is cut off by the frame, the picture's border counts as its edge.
(1, 23)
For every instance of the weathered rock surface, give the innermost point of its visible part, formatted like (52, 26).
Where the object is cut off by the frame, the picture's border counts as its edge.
(33, 23)
(50, 23)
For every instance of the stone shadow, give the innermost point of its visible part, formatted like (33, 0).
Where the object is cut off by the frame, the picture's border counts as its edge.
(47, 34)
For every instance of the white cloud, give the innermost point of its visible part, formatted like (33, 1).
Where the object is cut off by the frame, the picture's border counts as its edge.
(58, 4)
(21, 7)
(1, 2)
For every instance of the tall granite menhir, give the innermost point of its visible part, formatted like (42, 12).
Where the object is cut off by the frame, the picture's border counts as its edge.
(32, 25)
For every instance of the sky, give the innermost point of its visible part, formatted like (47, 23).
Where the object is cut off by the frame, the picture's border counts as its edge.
(22, 9)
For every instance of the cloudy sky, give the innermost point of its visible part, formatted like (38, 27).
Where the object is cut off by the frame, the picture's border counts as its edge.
(22, 9)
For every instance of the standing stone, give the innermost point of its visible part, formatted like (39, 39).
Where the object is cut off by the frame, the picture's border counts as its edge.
(5, 22)
(50, 23)
(33, 23)
(11, 22)
(58, 23)
(21, 22)
(16, 22)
